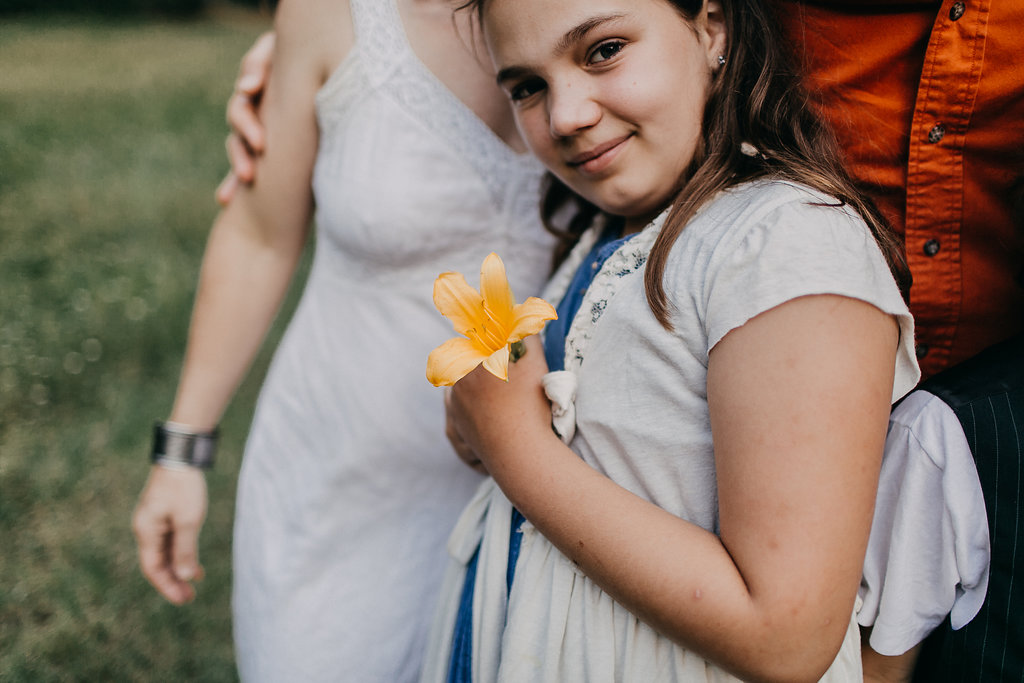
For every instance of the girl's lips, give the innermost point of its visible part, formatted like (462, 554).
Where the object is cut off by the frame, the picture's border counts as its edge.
(598, 158)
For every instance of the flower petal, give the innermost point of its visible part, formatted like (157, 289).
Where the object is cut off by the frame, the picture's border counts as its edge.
(497, 293)
(453, 360)
(529, 318)
(497, 363)
(459, 302)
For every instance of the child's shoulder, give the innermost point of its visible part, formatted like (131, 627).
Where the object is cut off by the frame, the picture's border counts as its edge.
(766, 199)
(774, 210)
(760, 244)
(774, 229)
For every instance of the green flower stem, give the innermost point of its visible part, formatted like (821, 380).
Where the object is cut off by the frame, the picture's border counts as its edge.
(516, 350)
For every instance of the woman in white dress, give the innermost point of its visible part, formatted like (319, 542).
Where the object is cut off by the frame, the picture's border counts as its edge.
(380, 116)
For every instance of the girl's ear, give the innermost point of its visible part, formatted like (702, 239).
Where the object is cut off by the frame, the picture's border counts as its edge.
(715, 34)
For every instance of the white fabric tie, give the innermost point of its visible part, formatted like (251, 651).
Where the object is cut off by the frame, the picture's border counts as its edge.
(560, 388)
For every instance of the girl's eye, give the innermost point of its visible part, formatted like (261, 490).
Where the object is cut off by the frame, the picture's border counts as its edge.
(606, 51)
(520, 91)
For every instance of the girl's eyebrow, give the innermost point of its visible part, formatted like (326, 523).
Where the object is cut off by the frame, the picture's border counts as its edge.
(580, 31)
(572, 36)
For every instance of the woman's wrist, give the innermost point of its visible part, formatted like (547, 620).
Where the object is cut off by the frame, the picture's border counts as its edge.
(177, 446)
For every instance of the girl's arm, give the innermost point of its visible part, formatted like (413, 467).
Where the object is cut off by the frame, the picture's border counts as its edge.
(887, 668)
(250, 258)
(799, 400)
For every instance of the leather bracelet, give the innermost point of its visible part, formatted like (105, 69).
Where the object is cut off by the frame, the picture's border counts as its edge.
(175, 446)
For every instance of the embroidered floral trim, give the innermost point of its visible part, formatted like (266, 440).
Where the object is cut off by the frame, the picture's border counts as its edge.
(627, 259)
(559, 282)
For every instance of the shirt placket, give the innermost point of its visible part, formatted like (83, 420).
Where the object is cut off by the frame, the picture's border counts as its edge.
(935, 172)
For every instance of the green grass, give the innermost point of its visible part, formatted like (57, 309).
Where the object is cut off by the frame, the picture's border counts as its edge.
(111, 143)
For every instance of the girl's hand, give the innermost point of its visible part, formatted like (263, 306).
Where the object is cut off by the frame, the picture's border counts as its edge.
(486, 417)
(466, 454)
(245, 142)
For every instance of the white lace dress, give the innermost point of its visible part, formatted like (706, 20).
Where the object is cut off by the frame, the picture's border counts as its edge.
(349, 488)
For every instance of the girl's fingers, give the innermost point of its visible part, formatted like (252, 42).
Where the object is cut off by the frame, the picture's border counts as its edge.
(241, 157)
(254, 72)
(464, 452)
(243, 118)
(226, 189)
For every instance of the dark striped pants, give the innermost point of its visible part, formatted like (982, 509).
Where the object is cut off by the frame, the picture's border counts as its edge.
(987, 395)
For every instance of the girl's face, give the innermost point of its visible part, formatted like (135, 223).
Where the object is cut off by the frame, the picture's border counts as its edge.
(608, 94)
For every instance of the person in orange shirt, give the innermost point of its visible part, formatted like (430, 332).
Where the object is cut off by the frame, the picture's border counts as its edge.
(927, 99)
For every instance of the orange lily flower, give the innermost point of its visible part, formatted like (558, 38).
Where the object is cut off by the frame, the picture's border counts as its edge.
(489, 320)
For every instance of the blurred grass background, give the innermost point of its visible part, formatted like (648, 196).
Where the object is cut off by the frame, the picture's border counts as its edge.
(111, 144)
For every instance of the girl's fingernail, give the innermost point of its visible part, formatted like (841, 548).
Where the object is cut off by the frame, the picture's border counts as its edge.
(249, 83)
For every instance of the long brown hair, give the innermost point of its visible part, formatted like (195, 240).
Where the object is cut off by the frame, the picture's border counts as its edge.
(755, 98)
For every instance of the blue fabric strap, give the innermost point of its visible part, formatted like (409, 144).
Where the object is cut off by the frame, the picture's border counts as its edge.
(557, 330)
(460, 663)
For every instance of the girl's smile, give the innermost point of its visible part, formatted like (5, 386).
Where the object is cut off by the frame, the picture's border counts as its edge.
(599, 157)
(608, 94)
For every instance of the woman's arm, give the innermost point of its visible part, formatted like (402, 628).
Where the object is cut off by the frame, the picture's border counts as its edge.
(799, 399)
(250, 258)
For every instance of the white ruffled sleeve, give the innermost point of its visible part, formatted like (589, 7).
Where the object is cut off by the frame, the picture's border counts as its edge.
(928, 555)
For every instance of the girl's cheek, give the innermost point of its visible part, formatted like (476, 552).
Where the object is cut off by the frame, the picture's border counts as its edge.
(535, 130)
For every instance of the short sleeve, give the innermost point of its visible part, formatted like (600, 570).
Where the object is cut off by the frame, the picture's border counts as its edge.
(783, 241)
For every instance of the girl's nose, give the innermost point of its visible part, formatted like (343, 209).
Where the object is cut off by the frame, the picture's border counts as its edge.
(571, 109)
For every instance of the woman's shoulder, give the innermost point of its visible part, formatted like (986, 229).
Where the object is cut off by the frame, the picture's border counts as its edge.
(315, 34)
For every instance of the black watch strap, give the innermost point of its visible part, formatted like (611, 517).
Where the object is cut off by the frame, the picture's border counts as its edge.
(173, 445)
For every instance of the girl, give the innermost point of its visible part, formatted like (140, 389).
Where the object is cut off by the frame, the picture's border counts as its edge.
(733, 337)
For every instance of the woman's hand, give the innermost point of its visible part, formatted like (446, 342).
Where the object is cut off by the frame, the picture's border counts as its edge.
(166, 522)
(247, 137)
(485, 416)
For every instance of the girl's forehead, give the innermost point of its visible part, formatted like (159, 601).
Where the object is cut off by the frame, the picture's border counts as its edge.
(556, 24)
(511, 13)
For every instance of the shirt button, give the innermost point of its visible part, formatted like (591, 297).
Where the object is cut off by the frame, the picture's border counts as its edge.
(921, 350)
(931, 247)
(956, 11)
(937, 132)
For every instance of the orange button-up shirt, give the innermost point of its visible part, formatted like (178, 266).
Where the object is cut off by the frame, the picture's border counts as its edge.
(927, 99)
